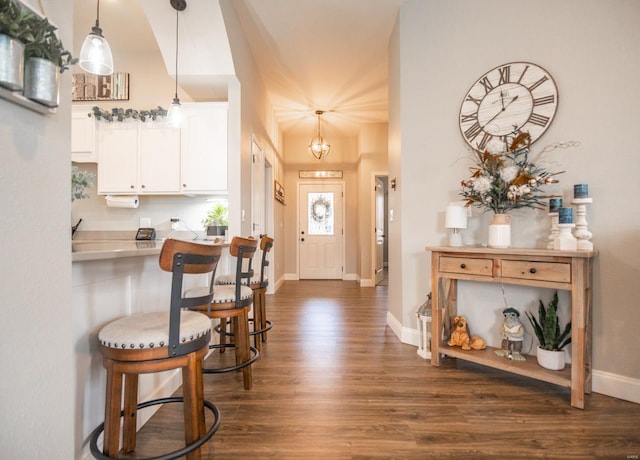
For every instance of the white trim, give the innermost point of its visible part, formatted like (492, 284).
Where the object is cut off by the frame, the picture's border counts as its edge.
(616, 386)
(367, 283)
(350, 277)
(291, 277)
(372, 222)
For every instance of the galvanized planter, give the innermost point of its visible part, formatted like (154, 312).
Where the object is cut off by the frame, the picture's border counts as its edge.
(11, 63)
(41, 81)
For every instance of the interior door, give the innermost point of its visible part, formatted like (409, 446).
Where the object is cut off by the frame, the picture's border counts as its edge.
(257, 190)
(379, 230)
(320, 242)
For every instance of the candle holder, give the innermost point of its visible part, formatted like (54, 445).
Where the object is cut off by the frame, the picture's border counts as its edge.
(582, 233)
(554, 231)
(565, 240)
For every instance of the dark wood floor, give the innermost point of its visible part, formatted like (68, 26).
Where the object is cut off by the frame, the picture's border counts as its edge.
(334, 382)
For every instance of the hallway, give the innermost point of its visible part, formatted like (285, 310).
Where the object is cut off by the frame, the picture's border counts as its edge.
(334, 382)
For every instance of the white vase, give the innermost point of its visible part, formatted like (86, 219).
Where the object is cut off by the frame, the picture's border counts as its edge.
(500, 231)
(552, 360)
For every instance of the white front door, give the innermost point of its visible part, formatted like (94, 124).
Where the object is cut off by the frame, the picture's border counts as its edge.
(321, 235)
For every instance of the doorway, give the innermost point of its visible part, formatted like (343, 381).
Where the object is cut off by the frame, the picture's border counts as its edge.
(380, 253)
(320, 230)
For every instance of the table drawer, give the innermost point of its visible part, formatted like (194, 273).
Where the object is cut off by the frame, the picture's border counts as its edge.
(543, 271)
(483, 267)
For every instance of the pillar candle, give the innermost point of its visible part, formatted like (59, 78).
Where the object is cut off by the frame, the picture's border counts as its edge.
(581, 191)
(565, 215)
(555, 204)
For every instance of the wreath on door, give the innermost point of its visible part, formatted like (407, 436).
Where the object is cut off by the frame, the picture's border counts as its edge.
(320, 209)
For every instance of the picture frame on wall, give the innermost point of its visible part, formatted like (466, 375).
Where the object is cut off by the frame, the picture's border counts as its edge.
(89, 87)
(278, 192)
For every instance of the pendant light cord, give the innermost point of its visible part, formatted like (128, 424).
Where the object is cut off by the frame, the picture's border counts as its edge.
(177, 12)
(98, 14)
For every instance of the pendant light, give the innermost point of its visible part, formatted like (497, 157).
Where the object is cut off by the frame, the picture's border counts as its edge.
(174, 116)
(318, 147)
(95, 54)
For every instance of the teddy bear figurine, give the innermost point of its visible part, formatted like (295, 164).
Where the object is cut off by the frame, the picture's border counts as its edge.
(461, 337)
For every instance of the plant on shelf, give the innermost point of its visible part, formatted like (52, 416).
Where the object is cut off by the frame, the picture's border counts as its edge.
(46, 44)
(548, 331)
(120, 114)
(217, 220)
(15, 22)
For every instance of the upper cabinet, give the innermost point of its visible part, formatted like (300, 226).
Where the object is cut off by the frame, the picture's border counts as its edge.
(83, 135)
(204, 148)
(150, 157)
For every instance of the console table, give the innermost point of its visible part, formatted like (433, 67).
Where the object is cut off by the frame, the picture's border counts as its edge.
(563, 270)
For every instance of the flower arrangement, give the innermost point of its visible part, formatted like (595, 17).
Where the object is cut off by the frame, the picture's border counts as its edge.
(120, 114)
(80, 180)
(505, 178)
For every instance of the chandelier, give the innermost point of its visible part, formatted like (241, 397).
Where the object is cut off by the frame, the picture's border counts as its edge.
(318, 147)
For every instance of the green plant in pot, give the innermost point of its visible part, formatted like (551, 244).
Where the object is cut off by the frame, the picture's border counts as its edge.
(15, 31)
(45, 58)
(217, 220)
(548, 331)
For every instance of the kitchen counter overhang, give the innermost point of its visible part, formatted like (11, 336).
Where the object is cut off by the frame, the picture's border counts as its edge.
(83, 250)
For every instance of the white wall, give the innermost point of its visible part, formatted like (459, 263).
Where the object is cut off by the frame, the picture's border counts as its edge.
(36, 390)
(438, 50)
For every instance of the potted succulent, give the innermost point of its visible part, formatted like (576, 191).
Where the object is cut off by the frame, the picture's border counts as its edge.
(45, 58)
(217, 220)
(15, 31)
(550, 352)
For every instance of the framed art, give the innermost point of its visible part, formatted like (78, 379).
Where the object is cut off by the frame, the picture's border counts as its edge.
(89, 87)
(278, 191)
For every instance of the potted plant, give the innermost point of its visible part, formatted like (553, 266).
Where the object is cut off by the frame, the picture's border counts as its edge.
(45, 58)
(217, 220)
(15, 31)
(547, 329)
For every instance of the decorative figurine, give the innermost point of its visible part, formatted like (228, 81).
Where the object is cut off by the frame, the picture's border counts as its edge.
(462, 338)
(512, 333)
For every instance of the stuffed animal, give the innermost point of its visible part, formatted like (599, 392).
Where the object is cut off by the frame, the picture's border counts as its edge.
(460, 337)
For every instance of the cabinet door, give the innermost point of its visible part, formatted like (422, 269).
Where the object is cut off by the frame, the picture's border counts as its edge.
(83, 141)
(204, 148)
(118, 157)
(159, 158)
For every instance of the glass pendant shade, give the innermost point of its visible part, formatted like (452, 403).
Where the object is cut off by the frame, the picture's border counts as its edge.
(95, 54)
(318, 147)
(174, 115)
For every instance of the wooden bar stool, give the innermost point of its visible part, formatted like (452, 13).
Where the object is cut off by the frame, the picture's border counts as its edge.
(160, 341)
(259, 287)
(232, 303)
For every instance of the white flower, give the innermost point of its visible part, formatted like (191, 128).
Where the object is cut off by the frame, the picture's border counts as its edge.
(509, 173)
(496, 147)
(483, 184)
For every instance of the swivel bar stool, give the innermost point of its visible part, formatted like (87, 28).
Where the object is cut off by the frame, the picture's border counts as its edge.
(160, 341)
(232, 303)
(259, 287)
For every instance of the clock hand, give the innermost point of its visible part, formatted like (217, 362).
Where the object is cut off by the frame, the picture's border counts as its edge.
(502, 99)
(501, 110)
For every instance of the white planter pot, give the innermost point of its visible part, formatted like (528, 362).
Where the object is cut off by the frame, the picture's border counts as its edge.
(41, 81)
(11, 63)
(500, 231)
(552, 360)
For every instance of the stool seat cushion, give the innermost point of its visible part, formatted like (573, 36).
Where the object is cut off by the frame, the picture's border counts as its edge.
(222, 293)
(151, 330)
(231, 279)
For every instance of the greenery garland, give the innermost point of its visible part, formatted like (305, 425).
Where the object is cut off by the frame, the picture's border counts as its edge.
(120, 114)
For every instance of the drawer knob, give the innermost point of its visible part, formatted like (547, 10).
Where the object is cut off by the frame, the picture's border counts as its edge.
(463, 265)
(532, 271)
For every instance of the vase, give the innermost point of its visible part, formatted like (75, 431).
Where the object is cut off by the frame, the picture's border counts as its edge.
(500, 231)
(41, 80)
(11, 62)
(552, 360)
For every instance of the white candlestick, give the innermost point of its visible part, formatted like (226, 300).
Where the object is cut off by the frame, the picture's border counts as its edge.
(555, 230)
(582, 233)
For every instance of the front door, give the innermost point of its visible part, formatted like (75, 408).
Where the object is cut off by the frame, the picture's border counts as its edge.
(321, 235)
(379, 230)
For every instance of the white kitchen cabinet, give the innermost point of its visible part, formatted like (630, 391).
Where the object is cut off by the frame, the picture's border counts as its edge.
(204, 148)
(138, 157)
(83, 135)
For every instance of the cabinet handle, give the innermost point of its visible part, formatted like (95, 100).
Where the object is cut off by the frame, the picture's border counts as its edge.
(131, 186)
(142, 186)
(463, 265)
(184, 185)
(532, 271)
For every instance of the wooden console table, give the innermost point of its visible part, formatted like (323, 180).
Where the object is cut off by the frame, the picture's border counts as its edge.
(564, 270)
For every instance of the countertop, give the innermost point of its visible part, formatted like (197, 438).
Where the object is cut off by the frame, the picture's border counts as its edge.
(83, 250)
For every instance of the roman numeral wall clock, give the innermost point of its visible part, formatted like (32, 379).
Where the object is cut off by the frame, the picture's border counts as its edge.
(519, 96)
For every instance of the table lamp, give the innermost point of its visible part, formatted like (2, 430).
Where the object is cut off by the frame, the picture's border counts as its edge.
(455, 218)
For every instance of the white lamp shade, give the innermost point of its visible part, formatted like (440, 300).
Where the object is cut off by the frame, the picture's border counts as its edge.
(174, 115)
(95, 55)
(456, 217)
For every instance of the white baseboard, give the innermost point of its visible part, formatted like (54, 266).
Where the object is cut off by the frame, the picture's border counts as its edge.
(367, 283)
(606, 383)
(291, 277)
(350, 277)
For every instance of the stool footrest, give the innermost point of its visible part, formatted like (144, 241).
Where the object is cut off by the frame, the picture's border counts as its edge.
(171, 455)
(237, 367)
